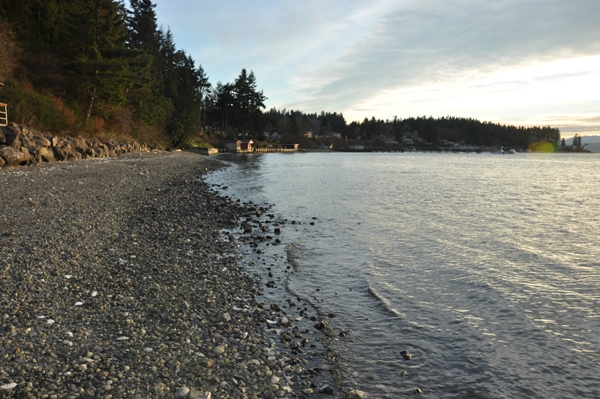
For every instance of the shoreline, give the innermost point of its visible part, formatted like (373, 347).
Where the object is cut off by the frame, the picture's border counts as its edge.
(118, 281)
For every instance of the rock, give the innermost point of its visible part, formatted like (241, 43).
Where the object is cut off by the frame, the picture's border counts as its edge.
(8, 386)
(327, 390)
(2, 162)
(320, 325)
(181, 392)
(78, 144)
(218, 350)
(16, 143)
(406, 355)
(13, 157)
(62, 153)
(46, 155)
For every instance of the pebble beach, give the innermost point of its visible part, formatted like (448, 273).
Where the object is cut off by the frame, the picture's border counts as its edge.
(119, 278)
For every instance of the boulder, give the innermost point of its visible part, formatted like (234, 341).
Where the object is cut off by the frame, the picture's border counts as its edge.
(2, 163)
(62, 153)
(27, 156)
(46, 155)
(75, 156)
(22, 146)
(14, 157)
(79, 145)
(16, 129)
(16, 143)
(41, 141)
(12, 133)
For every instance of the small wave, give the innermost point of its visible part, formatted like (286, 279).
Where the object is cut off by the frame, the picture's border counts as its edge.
(292, 254)
(385, 304)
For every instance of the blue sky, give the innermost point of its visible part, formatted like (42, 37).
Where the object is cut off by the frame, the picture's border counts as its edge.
(524, 62)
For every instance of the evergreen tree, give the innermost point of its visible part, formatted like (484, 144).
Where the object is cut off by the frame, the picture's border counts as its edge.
(147, 94)
(35, 22)
(248, 102)
(143, 26)
(94, 50)
(223, 103)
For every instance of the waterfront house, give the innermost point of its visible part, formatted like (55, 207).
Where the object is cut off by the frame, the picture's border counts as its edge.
(232, 146)
(272, 135)
(245, 146)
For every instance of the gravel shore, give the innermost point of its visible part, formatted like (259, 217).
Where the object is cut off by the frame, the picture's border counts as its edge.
(117, 280)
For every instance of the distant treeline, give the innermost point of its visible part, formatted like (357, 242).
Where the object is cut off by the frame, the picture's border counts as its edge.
(295, 124)
(104, 67)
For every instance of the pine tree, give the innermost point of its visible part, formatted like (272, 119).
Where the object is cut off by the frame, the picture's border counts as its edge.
(95, 50)
(147, 94)
(248, 103)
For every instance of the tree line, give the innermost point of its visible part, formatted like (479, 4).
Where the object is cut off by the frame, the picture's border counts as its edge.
(294, 125)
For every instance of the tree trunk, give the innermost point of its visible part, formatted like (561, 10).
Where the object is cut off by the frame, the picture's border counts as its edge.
(88, 112)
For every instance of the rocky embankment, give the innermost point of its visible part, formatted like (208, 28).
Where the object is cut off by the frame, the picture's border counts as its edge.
(118, 281)
(20, 145)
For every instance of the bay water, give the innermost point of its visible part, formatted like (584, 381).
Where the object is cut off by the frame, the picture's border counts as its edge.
(485, 268)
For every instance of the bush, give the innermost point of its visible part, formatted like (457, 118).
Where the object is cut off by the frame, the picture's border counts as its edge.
(31, 108)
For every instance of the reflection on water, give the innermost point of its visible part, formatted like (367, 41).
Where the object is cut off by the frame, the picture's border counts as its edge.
(485, 268)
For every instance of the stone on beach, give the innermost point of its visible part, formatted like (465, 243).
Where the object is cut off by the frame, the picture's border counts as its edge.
(141, 324)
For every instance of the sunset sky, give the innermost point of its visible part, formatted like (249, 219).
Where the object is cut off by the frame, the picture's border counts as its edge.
(524, 62)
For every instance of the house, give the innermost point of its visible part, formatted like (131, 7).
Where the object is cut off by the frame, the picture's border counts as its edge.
(308, 135)
(246, 146)
(232, 146)
(272, 135)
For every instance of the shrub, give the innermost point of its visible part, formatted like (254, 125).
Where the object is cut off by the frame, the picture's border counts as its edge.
(31, 108)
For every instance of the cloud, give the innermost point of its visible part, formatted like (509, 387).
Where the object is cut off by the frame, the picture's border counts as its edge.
(432, 42)
(274, 37)
(513, 61)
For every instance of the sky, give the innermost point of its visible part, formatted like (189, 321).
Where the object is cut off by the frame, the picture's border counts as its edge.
(521, 62)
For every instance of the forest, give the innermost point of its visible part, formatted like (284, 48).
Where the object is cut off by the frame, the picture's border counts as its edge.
(107, 68)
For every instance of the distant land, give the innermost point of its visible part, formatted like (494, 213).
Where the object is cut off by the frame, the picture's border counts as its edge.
(593, 142)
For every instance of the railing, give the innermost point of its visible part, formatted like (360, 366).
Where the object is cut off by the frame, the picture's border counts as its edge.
(3, 114)
(275, 150)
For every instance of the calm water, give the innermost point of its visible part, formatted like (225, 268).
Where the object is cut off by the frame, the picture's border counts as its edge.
(486, 268)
